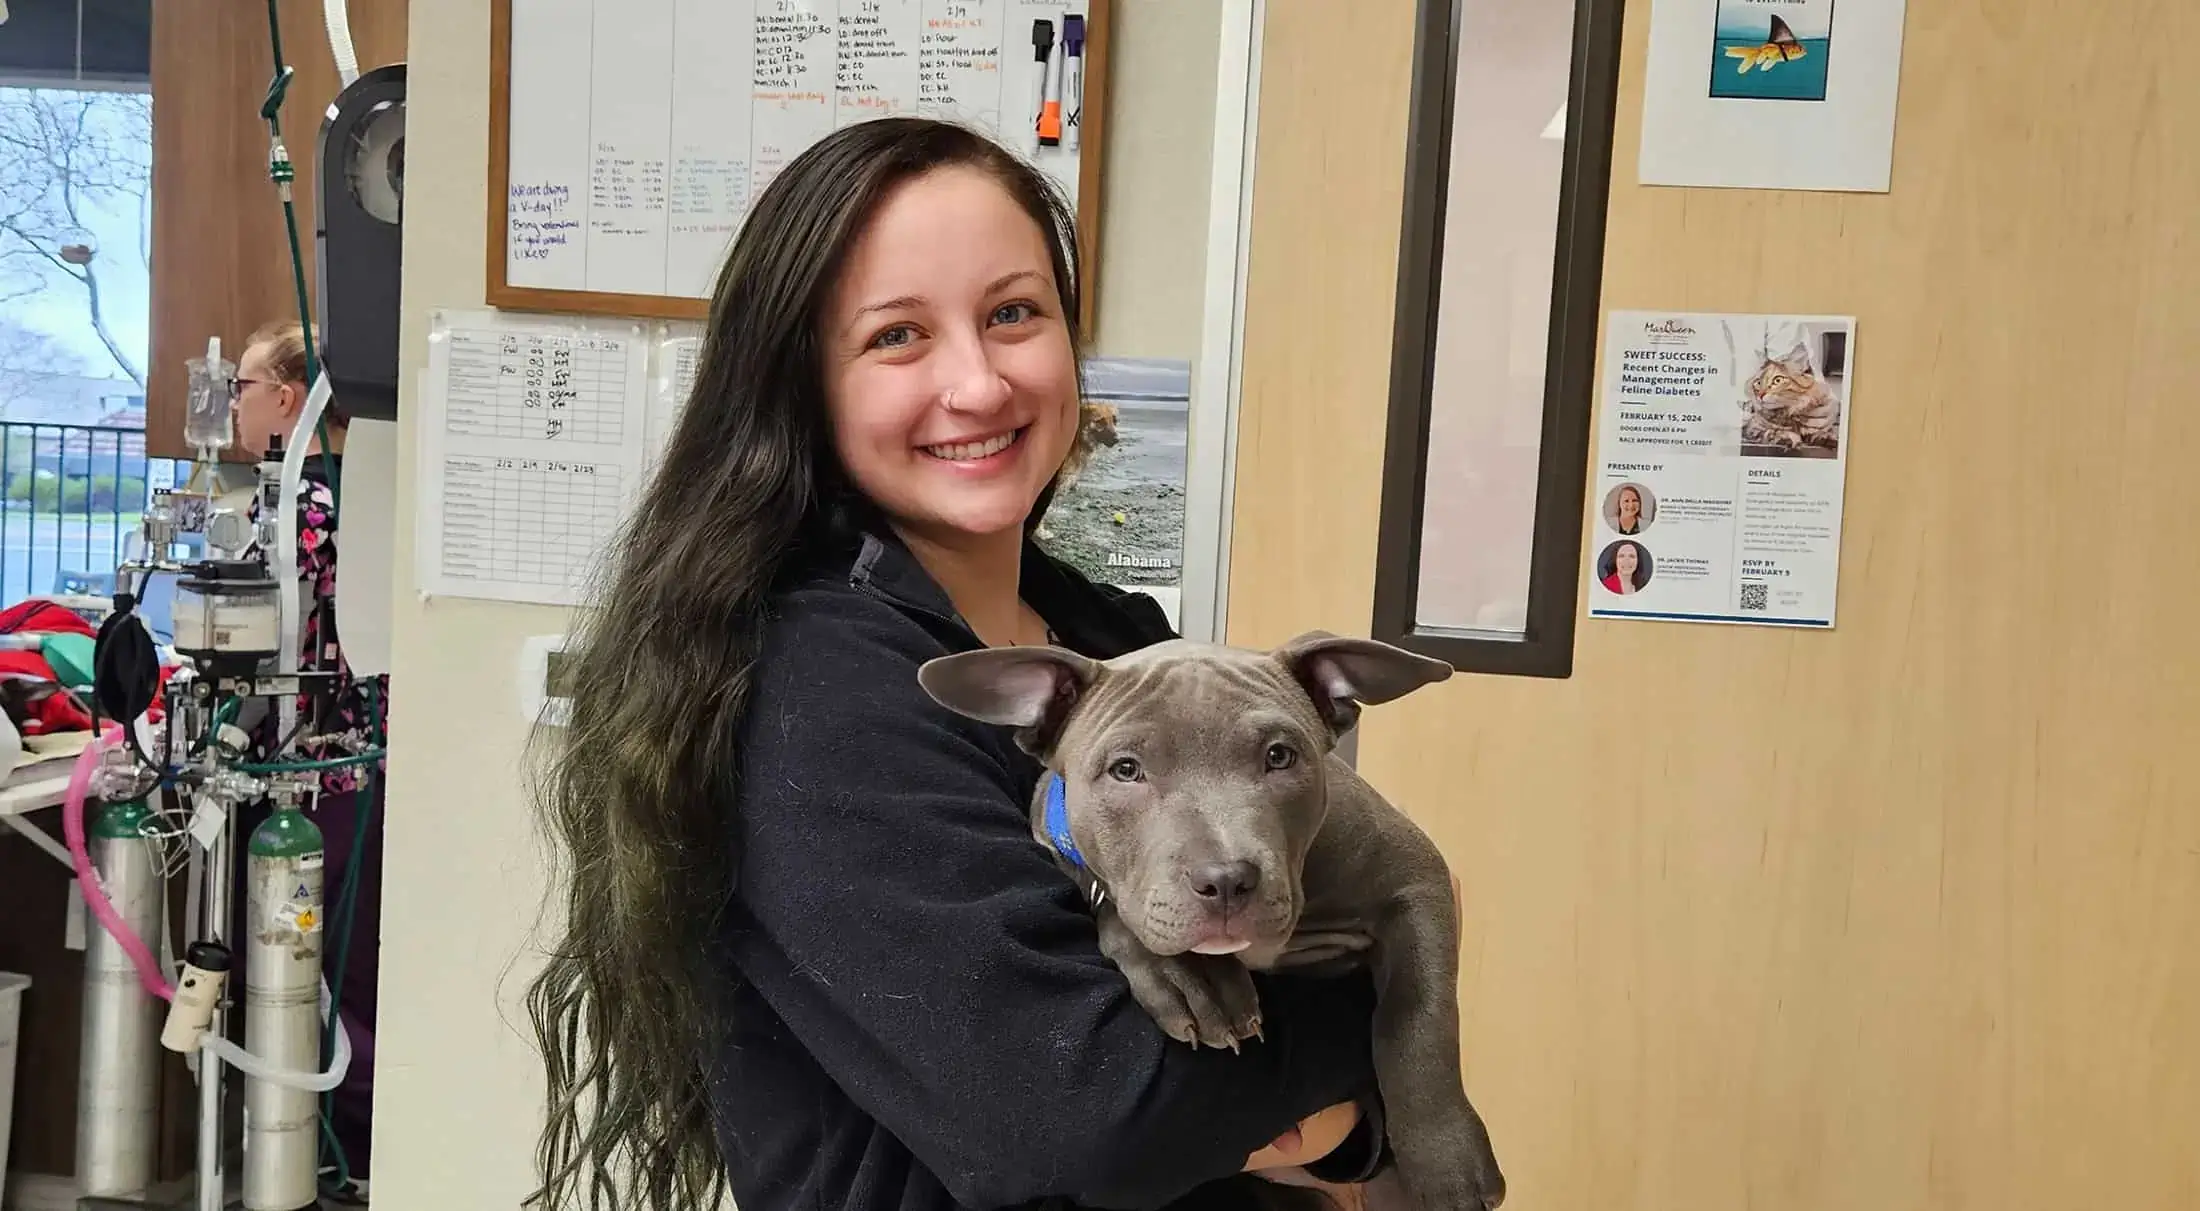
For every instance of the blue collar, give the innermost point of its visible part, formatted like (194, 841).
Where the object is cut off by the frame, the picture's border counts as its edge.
(1056, 821)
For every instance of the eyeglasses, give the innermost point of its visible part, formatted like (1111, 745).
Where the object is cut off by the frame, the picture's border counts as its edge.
(237, 386)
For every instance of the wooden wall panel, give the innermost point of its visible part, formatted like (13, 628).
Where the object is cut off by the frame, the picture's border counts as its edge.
(221, 263)
(1899, 916)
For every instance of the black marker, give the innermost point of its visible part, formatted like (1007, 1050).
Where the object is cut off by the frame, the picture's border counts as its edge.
(1073, 79)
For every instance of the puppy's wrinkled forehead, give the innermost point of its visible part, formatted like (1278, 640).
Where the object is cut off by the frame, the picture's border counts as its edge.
(1179, 687)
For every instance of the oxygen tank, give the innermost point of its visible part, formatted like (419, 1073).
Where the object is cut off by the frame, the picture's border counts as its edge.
(118, 1072)
(282, 980)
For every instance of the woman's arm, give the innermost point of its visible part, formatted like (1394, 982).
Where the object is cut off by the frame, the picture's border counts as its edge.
(896, 913)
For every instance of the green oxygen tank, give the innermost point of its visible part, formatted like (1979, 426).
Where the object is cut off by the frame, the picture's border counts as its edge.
(282, 979)
(118, 1069)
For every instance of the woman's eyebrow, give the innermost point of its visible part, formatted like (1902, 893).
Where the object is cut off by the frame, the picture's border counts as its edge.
(1002, 282)
(907, 302)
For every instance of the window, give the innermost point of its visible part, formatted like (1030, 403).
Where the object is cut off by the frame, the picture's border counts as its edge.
(75, 180)
(1494, 358)
(79, 42)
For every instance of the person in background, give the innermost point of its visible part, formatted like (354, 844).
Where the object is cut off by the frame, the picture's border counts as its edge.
(268, 395)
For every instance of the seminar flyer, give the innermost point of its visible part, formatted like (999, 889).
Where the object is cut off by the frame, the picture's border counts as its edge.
(1721, 452)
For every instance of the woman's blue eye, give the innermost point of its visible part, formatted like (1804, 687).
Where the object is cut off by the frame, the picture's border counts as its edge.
(896, 337)
(1012, 313)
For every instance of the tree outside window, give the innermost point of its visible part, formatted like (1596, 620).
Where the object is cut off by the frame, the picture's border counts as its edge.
(75, 236)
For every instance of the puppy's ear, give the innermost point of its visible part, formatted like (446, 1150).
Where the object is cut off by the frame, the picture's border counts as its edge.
(1342, 674)
(1030, 689)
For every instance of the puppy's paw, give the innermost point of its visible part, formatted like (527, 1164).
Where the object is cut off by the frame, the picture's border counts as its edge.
(1225, 1005)
(1204, 1000)
(1462, 1175)
(1457, 1194)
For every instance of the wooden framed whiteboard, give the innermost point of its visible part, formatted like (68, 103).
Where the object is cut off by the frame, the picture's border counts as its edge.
(626, 137)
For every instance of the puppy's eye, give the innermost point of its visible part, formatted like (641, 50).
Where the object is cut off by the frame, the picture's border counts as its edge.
(1282, 756)
(1126, 769)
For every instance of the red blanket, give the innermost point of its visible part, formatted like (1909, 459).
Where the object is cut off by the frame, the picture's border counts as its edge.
(33, 696)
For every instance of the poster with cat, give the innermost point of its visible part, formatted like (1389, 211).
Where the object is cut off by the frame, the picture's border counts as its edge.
(1772, 50)
(1721, 458)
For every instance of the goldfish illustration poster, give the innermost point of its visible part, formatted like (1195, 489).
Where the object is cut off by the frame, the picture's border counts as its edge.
(1721, 456)
(1772, 50)
(1772, 94)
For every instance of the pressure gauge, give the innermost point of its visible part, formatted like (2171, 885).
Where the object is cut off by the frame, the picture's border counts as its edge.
(229, 531)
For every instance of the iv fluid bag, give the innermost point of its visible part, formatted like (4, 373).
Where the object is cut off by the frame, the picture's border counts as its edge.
(206, 419)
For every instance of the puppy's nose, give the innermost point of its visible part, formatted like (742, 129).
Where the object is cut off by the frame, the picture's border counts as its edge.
(1225, 885)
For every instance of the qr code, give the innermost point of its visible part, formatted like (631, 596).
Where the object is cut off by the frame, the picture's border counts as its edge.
(1756, 596)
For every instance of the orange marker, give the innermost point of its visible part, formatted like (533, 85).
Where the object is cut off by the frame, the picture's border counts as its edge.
(1046, 99)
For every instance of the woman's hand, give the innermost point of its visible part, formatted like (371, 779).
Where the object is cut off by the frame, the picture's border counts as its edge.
(1314, 1138)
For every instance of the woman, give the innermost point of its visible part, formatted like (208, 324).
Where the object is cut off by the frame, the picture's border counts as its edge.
(268, 394)
(1628, 569)
(1629, 509)
(810, 945)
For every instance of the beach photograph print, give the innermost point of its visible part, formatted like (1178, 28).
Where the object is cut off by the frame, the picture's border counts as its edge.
(1118, 516)
(1771, 50)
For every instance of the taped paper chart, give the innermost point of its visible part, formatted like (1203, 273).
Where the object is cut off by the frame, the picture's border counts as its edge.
(532, 451)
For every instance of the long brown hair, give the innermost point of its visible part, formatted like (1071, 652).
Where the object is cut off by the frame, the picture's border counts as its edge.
(634, 795)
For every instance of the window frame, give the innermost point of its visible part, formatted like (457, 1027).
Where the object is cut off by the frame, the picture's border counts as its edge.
(98, 23)
(1554, 578)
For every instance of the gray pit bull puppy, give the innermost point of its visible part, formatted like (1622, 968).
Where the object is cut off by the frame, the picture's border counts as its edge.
(1201, 807)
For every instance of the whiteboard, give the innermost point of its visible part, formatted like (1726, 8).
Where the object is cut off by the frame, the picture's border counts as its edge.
(637, 133)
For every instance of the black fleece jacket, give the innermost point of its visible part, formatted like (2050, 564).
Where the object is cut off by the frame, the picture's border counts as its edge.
(921, 1018)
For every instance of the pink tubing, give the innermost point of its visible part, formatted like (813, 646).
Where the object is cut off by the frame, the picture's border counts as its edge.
(95, 896)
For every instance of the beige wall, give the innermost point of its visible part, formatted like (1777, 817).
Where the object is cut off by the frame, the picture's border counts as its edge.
(1899, 916)
(458, 1096)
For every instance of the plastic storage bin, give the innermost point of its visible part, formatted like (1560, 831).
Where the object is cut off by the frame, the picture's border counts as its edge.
(11, 1029)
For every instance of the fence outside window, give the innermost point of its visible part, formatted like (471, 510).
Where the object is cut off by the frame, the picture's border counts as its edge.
(70, 500)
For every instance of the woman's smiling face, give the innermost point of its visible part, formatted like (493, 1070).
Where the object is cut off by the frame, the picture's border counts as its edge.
(949, 372)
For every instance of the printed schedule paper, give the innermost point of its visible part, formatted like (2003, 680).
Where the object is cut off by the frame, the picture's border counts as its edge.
(679, 352)
(1722, 450)
(532, 450)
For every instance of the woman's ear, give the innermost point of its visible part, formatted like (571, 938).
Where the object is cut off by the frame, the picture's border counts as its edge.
(292, 398)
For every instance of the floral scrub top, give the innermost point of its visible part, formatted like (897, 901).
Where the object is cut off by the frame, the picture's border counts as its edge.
(318, 646)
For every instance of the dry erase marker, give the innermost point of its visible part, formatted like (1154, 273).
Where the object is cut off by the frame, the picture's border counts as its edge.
(1042, 55)
(1050, 115)
(1073, 79)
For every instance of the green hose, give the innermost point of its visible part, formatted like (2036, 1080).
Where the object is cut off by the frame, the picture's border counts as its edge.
(305, 767)
(340, 924)
(280, 173)
(222, 715)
